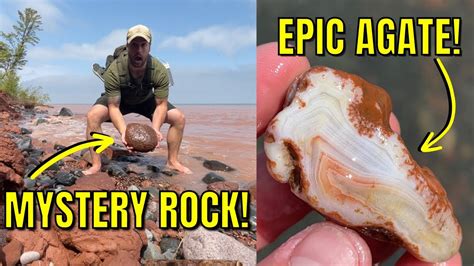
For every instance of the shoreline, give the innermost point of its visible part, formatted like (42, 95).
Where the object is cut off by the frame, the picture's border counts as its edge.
(121, 172)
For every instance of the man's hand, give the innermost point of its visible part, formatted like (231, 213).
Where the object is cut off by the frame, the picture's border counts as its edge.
(129, 148)
(159, 136)
(159, 117)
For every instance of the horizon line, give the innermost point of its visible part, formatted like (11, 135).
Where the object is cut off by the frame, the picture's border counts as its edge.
(89, 103)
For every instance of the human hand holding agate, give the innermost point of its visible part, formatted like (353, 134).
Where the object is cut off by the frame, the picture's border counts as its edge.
(324, 242)
(333, 144)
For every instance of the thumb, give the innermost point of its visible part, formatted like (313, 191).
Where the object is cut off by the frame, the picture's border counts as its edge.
(324, 244)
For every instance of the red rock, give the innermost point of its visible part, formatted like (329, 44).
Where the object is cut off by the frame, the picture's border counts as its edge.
(12, 252)
(223, 185)
(176, 188)
(85, 247)
(122, 258)
(146, 184)
(157, 232)
(11, 156)
(12, 162)
(141, 137)
(86, 258)
(99, 181)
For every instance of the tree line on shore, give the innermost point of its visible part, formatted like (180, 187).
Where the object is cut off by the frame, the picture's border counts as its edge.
(13, 51)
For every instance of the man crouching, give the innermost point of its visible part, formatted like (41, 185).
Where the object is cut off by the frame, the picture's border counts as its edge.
(136, 82)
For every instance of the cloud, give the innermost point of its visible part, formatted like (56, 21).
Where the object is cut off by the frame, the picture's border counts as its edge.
(52, 17)
(81, 51)
(222, 38)
(34, 71)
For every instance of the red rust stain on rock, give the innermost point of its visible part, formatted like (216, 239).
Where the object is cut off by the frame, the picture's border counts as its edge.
(374, 108)
(318, 69)
(297, 179)
(269, 138)
(303, 83)
(301, 103)
(271, 164)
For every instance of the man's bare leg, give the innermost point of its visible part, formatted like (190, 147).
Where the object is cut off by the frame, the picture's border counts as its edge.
(176, 119)
(95, 117)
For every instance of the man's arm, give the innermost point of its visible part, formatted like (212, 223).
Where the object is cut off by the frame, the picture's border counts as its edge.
(159, 115)
(115, 114)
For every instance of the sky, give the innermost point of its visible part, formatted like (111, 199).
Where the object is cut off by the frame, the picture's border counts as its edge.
(209, 44)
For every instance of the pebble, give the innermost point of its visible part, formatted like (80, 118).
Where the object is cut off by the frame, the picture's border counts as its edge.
(129, 159)
(169, 243)
(77, 173)
(65, 112)
(154, 192)
(115, 170)
(29, 183)
(29, 257)
(253, 218)
(32, 160)
(212, 178)
(25, 131)
(35, 152)
(56, 166)
(24, 144)
(209, 244)
(66, 179)
(28, 169)
(153, 168)
(59, 147)
(40, 121)
(45, 181)
(133, 188)
(152, 252)
(217, 166)
(149, 235)
(59, 188)
(169, 172)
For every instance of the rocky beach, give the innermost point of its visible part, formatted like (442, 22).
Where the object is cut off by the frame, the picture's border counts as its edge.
(29, 136)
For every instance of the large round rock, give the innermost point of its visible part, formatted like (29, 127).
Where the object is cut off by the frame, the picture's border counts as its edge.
(141, 137)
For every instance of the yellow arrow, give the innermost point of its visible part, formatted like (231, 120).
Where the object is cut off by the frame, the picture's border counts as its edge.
(428, 142)
(101, 140)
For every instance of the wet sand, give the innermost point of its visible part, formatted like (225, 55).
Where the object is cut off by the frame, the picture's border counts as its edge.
(219, 132)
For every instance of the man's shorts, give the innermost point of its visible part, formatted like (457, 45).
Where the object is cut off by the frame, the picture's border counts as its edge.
(146, 108)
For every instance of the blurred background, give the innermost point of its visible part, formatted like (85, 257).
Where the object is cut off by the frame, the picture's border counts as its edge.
(418, 94)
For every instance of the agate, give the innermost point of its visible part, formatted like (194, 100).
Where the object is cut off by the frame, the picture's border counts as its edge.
(334, 146)
(141, 137)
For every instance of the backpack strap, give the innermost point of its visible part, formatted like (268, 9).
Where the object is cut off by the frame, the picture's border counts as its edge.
(122, 66)
(149, 69)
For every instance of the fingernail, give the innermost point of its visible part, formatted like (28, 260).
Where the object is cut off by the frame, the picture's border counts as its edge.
(329, 244)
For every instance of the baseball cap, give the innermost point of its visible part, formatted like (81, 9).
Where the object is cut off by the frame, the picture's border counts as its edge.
(138, 31)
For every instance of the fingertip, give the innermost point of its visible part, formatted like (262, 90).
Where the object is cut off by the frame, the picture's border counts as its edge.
(271, 221)
(380, 250)
(324, 244)
(274, 74)
(408, 259)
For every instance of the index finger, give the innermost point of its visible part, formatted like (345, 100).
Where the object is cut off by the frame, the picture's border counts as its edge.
(274, 74)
